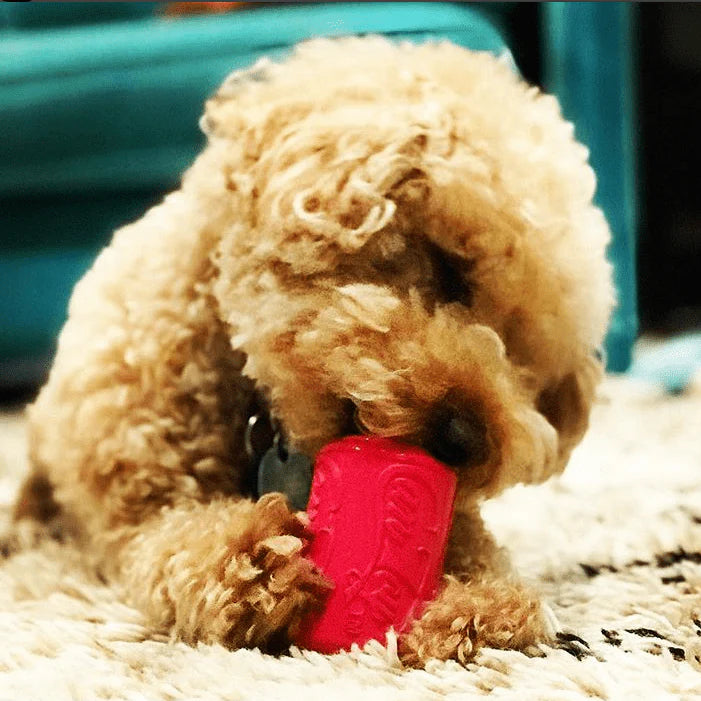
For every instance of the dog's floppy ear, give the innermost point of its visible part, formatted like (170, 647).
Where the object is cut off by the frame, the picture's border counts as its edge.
(566, 403)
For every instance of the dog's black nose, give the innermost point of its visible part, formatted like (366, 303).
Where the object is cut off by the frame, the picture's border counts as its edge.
(458, 439)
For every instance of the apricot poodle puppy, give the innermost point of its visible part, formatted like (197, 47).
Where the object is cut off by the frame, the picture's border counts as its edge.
(395, 240)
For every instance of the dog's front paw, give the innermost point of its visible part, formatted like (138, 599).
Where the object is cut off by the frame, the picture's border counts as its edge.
(467, 616)
(273, 584)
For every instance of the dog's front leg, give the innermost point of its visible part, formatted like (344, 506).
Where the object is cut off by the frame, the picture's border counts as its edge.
(481, 603)
(229, 571)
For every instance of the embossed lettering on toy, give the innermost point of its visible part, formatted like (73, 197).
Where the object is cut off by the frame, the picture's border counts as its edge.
(382, 586)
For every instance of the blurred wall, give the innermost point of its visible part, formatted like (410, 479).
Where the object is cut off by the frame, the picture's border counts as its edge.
(669, 260)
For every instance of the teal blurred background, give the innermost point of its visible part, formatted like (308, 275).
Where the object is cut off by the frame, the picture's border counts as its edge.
(99, 105)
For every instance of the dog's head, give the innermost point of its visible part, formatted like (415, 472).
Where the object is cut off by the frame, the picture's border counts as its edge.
(411, 251)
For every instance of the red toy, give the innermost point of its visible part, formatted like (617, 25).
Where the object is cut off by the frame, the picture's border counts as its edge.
(380, 513)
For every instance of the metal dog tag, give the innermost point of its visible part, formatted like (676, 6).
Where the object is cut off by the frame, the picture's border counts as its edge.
(289, 473)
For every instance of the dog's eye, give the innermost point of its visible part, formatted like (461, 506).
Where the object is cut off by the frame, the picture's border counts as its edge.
(451, 277)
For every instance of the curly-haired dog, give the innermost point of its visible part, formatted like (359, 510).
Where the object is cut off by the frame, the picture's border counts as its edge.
(397, 240)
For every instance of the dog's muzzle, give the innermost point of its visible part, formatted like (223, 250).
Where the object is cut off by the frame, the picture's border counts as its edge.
(456, 437)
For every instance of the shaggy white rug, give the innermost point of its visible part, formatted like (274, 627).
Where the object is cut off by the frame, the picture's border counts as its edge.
(614, 545)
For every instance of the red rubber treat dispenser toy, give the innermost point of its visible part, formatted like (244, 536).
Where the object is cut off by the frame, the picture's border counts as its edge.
(380, 516)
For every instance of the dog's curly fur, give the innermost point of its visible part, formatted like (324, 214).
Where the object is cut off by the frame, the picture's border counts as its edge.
(406, 231)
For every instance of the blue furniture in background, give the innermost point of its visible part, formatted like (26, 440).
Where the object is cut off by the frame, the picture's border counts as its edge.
(588, 58)
(99, 106)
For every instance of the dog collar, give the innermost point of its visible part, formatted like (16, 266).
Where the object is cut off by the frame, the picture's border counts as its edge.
(272, 467)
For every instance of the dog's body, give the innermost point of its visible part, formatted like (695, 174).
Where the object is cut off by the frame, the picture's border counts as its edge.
(399, 236)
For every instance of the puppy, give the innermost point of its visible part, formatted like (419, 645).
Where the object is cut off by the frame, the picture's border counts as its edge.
(396, 240)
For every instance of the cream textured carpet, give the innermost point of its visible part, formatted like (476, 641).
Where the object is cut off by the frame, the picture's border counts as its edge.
(614, 545)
